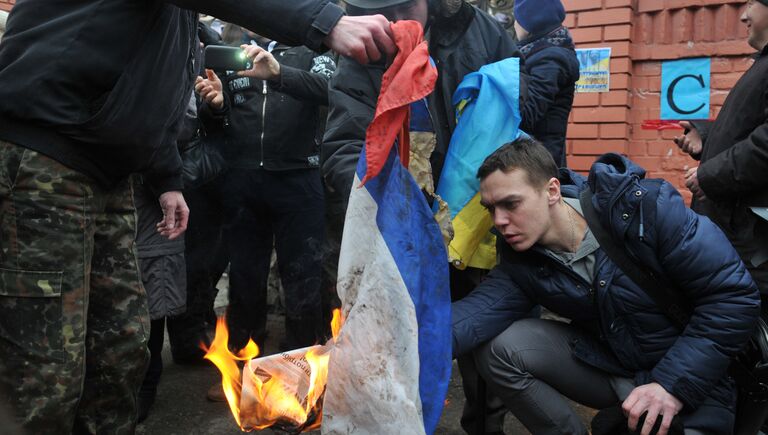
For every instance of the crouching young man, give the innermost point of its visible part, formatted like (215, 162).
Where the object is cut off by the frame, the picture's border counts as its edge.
(619, 347)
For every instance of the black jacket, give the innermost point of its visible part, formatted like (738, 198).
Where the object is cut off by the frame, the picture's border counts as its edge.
(276, 125)
(100, 85)
(459, 45)
(734, 161)
(553, 71)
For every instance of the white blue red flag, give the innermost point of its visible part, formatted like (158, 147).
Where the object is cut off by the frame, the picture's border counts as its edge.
(389, 370)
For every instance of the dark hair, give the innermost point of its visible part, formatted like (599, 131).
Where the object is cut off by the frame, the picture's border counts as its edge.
(524, 153)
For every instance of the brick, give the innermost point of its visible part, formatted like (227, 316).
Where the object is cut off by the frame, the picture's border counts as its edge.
(646, 68)
(636, 148)
(619, 81)
(587, 34)
(649, 5)
(638, 116)
(620, 65)
(582, 99)
(671, 133)
(638, 132)
(582, 5)
(650, 83)
(618, 48)
(606, 16)
(648, 163)
(717, 97)
(643, 99)
(742, 64)
(580, 163)
(720, 65)
(615, 33)
(618, 3)
(603, 114)
(614, 131)
(597, 147)
(614, 98)
(570, 21)
(661, 148)
(682, 25)
(724, 81)
(582, 131)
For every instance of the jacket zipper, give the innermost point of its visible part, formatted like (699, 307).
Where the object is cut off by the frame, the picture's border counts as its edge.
(263, 120)
(588, 286)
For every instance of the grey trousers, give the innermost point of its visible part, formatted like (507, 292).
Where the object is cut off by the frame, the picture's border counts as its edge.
(531, 368)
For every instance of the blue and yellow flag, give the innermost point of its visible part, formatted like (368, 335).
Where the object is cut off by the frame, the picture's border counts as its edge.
(488, 116)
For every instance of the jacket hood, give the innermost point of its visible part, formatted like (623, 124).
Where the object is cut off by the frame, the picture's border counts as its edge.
(609, 180)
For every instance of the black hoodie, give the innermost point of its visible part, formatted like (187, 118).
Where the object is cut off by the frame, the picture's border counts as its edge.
(101, 85)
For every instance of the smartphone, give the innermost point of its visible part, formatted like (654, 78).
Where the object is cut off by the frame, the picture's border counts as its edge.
(222, 58)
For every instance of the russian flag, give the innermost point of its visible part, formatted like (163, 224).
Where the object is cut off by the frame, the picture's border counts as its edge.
(390, 368)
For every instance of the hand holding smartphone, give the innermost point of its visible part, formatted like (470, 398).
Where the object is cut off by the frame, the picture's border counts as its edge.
(222, 58)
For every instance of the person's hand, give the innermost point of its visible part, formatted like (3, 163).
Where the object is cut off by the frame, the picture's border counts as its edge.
(210, 89)
(655, 400)
(175, 215)
(365, 38)
(692, 183)
(265, 66)
(690, 143)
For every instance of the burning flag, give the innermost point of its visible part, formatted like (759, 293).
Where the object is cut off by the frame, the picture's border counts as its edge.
(389, 370)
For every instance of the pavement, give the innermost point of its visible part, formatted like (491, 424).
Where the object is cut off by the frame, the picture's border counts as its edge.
(181, 406)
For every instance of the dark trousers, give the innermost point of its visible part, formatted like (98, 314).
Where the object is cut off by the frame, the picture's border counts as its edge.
(155, 368)
(483, 412)
(206, 259)
(284, 209)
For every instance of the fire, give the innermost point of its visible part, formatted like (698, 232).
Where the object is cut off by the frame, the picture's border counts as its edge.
(225, 360)
(283, 390)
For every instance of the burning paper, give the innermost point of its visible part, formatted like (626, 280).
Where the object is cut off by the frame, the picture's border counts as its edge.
(284, 390)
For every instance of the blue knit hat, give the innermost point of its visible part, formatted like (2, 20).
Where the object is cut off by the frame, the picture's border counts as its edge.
(539, 16)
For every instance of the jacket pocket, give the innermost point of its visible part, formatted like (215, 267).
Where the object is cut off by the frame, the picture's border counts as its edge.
(31, 313)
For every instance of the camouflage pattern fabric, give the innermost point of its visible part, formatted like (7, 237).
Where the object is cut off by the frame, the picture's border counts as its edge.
(73, 314)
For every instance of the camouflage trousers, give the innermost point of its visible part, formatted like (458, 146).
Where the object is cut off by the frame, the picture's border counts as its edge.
(73, 314)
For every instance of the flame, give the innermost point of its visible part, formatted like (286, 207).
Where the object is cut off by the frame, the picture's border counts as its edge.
(336, 323)
(225, 361)
(275, 402)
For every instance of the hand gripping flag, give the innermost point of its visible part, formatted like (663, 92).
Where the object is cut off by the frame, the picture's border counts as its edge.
(488, 112)
(390, 367)
(410, 78)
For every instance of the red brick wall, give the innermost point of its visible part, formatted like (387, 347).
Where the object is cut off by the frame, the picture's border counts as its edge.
(642, 33)
(6, 4)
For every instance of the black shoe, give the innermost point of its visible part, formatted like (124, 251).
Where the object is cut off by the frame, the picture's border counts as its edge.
(146, 400)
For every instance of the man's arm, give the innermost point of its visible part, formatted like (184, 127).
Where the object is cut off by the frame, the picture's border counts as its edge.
(314, 23)
(487, 311)
(739, 169)
(725, 301)
(311, 85)
(352, 96)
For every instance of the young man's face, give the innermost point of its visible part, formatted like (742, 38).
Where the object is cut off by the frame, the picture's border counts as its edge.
(756, 19)
(416, 10)
(520, 211)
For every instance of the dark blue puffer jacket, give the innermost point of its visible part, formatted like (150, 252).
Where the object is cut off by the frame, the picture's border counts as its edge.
(633, 337)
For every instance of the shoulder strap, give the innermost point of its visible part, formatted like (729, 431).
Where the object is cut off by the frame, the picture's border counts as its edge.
(665, 298)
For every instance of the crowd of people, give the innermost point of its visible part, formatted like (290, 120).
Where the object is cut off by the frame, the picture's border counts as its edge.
(132, 177)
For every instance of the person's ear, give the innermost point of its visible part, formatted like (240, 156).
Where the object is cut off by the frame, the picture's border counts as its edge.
(553, 191)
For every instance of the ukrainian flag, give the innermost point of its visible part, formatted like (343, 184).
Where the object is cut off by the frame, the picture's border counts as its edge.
(488, 116)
